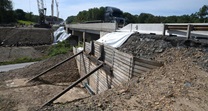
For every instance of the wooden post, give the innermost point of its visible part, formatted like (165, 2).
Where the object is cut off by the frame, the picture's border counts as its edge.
(72, 32)
(67, 30)
(164, 29)
(84, 34)
(189, 29)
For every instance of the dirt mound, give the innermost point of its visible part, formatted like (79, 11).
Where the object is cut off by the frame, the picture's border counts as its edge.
(66, 72)
(181, 84)
(16, 94)
(25, 36)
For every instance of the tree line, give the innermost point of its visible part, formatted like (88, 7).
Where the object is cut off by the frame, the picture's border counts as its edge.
(98, 14)
(10, 16)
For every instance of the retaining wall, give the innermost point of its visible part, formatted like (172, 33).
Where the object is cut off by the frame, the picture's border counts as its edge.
(25, 36)
(123, 66)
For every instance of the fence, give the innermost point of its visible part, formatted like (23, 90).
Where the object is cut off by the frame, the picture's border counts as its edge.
(120, 67)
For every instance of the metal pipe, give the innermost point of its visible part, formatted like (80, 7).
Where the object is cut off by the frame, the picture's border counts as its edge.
(72, 85)
(55, 66)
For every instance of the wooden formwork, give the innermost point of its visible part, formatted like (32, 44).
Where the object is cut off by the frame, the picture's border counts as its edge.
(123, 66)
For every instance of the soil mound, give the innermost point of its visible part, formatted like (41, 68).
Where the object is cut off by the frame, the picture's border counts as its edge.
(66, 72)
(16, 94)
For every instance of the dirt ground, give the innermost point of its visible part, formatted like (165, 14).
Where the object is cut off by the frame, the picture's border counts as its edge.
(180, 85)
(17, 94)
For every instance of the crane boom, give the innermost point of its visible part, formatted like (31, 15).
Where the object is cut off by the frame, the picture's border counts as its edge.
(57, 9)
(52, 8)
(42, 14)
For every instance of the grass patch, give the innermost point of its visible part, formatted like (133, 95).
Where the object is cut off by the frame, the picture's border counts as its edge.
(60, 48)
(25, 22)
(20, 60)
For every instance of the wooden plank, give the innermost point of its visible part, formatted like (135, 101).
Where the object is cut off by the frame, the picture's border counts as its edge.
(115, 83)
(138, 71)
(141, 68)
(121, 75)
(102, 84)
(108, 53)
(124, 72)
(108, 59)
(123, 54)
(108, 50)
(93, 84)
(145, 65)
(123, 59)
(154, 63)
(97, 43)
(122, 65)
(106, 79)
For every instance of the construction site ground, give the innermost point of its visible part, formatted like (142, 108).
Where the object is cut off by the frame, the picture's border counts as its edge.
(181, 84)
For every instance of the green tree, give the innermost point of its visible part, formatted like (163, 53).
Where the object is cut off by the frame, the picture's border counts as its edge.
(20, 14)
(6, 12)
(203, 12)
(145, 18)
(129, 18)
(70, 19)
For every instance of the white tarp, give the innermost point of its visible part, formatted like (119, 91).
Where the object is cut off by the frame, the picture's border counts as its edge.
(63, 37)
(115, 39)
(60, 35)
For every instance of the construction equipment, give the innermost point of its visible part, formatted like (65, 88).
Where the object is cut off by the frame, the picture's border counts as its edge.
(113, 14)
(52, 10)
(42, 14)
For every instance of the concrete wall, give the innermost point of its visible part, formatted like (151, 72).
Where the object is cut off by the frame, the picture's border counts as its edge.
(108, 27)
(145, 28)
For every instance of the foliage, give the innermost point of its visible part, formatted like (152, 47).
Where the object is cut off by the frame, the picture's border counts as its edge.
(6, 13)
(20, 14)
(21, 60)
(89, 15)
(60, 48)
(98, 14)
(203, 13)
(25, 22)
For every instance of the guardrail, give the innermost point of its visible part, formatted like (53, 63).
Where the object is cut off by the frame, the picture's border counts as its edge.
(178, 29)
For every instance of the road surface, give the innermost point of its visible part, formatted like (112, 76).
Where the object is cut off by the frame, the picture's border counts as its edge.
(5, 68)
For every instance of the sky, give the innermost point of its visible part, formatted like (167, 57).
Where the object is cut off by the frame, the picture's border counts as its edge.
(155, 7)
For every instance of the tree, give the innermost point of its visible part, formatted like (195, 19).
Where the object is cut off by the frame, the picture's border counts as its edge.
(70, 19)
(145, 18)
(129, 18)
(203, 12)
(6, 12)
(20, 14)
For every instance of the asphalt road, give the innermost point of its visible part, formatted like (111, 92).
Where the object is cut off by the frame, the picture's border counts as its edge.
(14, 66)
